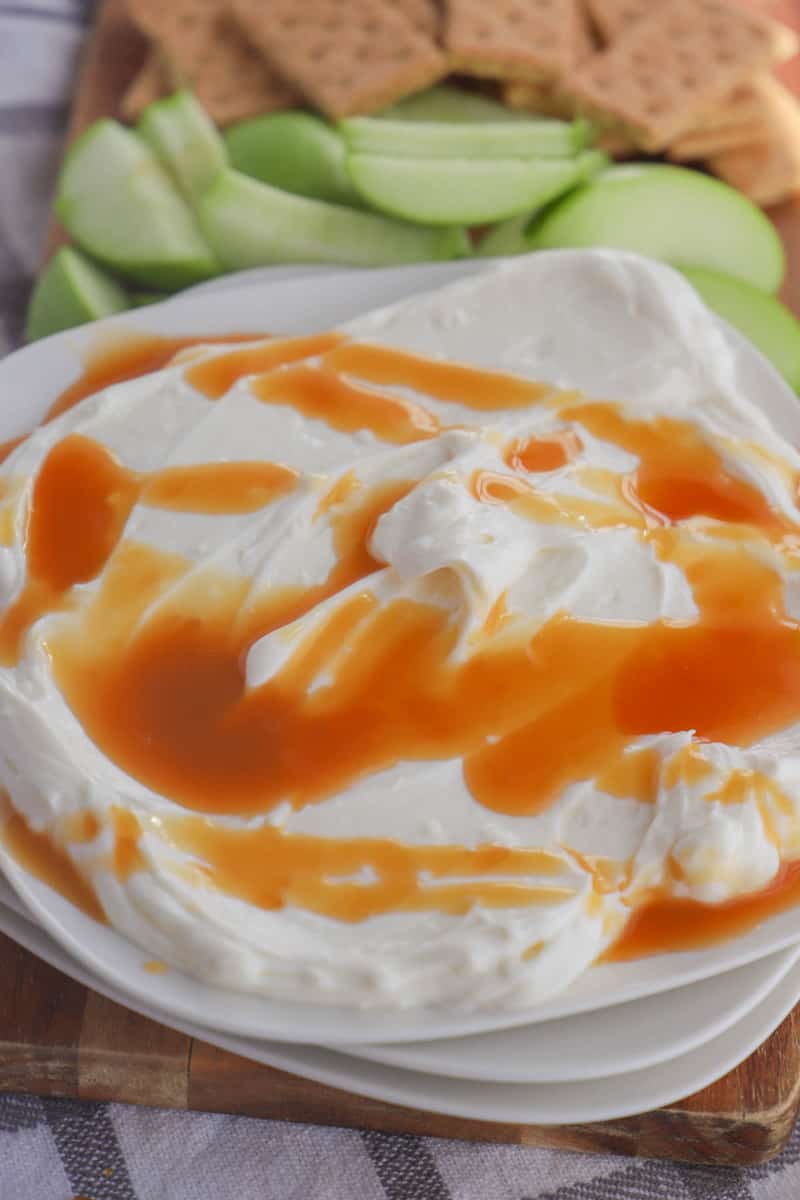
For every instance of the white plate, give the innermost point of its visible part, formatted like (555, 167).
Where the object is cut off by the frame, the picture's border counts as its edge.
(595, 1045)
(29, 382)
(234, 279)
(542, 1104)
(602, 1099)
(625, 1037)
(607, 1042)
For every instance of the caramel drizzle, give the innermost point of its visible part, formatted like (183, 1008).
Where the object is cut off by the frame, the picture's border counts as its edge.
(81, 502)
(482, 391)
(46, 861)
(537, 453)
(529, 712)
(120, 359)
(356, 878)
(323, 395)
(215, 376)
(663, 924)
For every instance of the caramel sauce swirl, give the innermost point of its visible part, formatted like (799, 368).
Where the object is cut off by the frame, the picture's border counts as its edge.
(160, 688)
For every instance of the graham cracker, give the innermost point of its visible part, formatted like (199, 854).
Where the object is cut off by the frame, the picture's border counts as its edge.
(586, 43)
(346, 56)
(738, 120)
(677, 61)
(545, 97)
(743, 104)
(526, 96)
(704, 143)
(149, 85)
(424, 15)
(616, 142)
(540, 98)
(204, 50)
(613, 18)
(548, 100)
(515, 39)
(768, 170)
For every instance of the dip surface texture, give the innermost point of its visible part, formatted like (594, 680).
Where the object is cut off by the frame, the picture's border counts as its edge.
(418, 663)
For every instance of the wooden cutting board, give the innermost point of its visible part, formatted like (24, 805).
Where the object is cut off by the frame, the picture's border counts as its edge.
(59, 1039)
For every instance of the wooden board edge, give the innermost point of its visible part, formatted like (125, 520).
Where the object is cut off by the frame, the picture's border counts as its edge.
(690, 1131)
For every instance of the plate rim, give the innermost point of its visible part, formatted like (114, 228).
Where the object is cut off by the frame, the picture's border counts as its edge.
(661, 1051)
(783, 962)
(182, 313)
(334, 1069)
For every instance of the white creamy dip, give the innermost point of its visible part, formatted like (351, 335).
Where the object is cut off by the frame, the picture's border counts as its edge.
(622, 331)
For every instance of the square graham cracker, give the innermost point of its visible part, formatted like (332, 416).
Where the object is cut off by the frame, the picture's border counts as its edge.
(740, 119)
(704, 143)
(515, 39)
(768, 169)
(424, 15)
(204, 50)
(345, 56)
(743, 104)
(675, 63)
(613, 18)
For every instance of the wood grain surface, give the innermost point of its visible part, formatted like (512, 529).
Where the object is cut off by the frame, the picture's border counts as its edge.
(59, 1039)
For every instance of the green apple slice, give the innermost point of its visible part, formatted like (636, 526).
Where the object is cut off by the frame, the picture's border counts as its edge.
(512, 236)
(767, 323)
(507, 237)
(671, 213)
(457, 191)
(120, 205)
(71, 291)
(145, 299)
(466, 139)
(296, 151)
(451, 104)
(252, 224)
(181, 134)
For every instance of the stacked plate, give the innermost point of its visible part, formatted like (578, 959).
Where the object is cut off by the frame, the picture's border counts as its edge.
(625, 1038)
(616, 1044)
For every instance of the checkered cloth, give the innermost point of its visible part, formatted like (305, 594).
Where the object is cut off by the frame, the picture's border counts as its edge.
(57, 1149)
